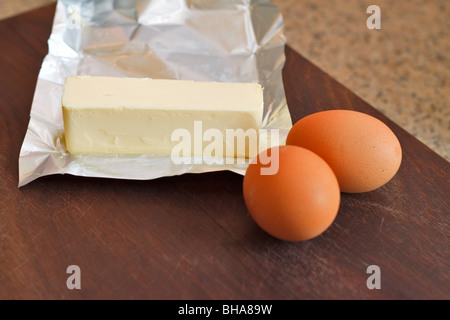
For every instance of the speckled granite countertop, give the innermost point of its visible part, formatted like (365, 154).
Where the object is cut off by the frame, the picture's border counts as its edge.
(402, 69)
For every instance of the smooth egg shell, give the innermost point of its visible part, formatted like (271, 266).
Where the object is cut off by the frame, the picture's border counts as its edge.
(297, 202)
(362, 151)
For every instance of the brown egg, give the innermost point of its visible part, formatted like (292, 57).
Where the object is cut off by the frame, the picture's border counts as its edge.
(297, 199)
(362, 151)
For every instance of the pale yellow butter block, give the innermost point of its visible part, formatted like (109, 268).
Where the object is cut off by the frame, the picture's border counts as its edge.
(139, 115)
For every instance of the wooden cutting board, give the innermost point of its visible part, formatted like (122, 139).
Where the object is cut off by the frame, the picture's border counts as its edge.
(191, 237)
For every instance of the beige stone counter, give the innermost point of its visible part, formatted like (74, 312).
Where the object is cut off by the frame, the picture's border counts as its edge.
(403, 69)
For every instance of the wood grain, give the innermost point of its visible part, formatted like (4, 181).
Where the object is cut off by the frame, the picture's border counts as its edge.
(191, 237)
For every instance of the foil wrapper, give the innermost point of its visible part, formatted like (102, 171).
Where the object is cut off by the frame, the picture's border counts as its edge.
(203, 40)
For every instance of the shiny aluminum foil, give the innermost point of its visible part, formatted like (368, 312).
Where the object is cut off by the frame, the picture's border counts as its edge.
(204, 40)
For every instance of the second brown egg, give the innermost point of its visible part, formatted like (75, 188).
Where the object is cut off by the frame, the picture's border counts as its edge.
(362, 151)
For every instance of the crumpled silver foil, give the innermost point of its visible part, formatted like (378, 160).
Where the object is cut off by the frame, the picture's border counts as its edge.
(204, 40)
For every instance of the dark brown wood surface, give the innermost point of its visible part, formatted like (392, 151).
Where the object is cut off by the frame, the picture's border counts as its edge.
(191, 237)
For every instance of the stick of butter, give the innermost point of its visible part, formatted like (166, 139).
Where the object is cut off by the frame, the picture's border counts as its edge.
(140, 115)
